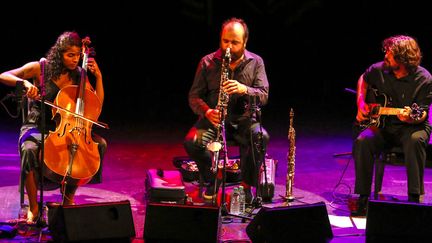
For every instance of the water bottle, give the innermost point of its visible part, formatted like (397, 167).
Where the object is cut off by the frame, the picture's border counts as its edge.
(242, 199)
(235, 202)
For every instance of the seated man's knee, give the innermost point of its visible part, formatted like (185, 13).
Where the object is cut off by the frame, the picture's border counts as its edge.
(260, 133)
(418, 139)
(266, 137)
(362, 139)
(192, 141)
(188, 145)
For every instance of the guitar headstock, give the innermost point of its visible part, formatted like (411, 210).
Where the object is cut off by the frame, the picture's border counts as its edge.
(416, 111)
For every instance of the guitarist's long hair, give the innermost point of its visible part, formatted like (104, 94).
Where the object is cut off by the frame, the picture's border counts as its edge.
(405, 50)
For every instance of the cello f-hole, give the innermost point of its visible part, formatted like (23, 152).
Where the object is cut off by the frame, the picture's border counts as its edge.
(64, 130)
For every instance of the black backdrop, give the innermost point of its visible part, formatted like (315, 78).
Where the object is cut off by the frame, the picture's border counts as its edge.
(148, 52)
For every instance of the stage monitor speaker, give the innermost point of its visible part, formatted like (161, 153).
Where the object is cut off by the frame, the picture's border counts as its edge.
(300, 223)
(97, 222)
(398, 222)
(181, 223)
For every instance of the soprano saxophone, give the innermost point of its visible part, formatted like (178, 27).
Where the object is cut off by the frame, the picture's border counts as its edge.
(291, 160)
(216, 145)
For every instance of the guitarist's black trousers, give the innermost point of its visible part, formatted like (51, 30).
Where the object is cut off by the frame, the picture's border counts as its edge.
(371, 142)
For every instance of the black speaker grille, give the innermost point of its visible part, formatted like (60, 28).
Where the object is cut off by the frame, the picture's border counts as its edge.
(301, 223)
(98, 221)
(398, 221)
(181, 223)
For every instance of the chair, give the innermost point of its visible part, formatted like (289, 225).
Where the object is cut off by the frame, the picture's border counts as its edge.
(394, 156)
(47, 185)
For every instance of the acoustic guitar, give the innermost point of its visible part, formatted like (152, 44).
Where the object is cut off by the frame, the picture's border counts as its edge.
(378, 112)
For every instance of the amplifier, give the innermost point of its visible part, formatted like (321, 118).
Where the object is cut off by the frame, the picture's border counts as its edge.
(165, 186)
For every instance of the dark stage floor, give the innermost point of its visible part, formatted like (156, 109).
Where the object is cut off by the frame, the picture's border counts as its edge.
(132, 149)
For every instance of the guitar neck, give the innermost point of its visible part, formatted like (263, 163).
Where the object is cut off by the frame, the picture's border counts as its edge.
(390, 111)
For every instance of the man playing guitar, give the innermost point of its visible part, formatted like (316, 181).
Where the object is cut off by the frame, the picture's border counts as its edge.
(402, 79)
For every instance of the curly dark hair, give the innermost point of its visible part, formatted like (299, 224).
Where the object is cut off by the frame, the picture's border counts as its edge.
(405, 50)
(55, 54)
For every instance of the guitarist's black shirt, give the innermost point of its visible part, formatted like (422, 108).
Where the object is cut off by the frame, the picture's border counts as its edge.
(414, 88)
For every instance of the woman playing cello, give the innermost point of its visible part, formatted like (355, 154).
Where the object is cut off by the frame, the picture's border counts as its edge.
(60, 69)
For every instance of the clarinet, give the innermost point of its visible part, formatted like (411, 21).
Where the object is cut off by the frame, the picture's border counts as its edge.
(291, 160)
(222, 105)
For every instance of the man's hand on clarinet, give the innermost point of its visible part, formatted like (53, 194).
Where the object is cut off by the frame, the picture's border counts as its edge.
(234, 87)
(213, 115)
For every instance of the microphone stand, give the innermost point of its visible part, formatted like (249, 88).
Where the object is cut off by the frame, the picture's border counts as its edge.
(40, 221)
(20, 96)
(223, 203)
(224, 209)
(345, 153)
(259, 145)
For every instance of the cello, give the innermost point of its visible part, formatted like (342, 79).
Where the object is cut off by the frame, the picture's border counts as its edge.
(71, 155)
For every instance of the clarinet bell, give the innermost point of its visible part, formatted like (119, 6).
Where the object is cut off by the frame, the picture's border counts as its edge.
(214, 146)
